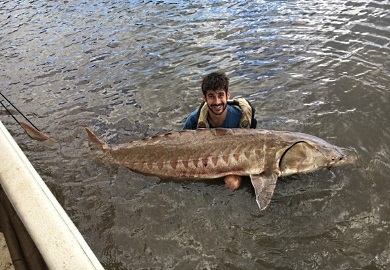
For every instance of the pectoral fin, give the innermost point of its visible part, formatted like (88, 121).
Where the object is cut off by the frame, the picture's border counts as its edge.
(264, 186)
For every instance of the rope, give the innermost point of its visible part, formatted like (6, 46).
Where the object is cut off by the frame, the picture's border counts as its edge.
(17, 111)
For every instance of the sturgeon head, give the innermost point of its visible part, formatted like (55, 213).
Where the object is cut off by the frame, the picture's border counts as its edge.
(311, 155)
(302, 153)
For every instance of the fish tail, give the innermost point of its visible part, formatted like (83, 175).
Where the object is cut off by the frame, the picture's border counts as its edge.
(95, 139)
(34, 133)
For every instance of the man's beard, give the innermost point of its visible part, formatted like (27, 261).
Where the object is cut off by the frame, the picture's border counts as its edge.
(219, 112)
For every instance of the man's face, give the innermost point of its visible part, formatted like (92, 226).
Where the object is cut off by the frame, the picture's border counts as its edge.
(216, 100)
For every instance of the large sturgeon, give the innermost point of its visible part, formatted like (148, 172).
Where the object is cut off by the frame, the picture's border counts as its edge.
(264, 155)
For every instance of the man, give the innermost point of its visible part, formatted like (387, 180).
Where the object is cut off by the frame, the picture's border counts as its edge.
(217, 111)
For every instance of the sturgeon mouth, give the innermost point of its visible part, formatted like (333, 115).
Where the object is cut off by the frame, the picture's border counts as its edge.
(349, 157)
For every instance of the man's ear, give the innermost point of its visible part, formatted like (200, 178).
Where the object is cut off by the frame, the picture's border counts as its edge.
(227, 94)
(204, 98)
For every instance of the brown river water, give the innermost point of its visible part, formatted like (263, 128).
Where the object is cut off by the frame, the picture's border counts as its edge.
(129, 69)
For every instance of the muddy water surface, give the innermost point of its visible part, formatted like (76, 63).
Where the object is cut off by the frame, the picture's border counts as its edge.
(129, 69)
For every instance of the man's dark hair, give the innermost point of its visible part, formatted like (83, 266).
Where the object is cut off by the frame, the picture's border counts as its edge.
(215, 81)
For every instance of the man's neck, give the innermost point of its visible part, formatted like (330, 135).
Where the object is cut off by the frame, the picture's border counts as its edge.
(217, 120)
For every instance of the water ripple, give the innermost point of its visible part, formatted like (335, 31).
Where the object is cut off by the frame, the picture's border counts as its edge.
(131, 69)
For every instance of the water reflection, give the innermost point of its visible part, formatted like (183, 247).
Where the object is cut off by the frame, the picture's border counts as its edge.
(131, 69)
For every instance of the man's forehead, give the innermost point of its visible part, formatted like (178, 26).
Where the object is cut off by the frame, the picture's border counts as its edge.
(215, 91)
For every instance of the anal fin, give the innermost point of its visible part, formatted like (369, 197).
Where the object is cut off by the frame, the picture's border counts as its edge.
(264, 186)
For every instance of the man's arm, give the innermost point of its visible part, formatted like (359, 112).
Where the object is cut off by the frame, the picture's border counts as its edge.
(191, 121)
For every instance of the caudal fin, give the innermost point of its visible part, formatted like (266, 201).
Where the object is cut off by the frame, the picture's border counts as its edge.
(34, 133)
(95, 139)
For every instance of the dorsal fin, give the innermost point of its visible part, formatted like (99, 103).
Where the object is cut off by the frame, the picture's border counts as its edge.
(95, 139)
